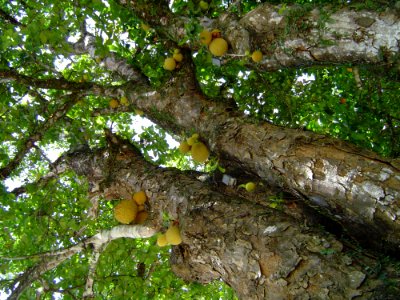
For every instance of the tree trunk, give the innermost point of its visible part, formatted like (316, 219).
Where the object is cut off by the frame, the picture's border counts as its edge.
(357, 188)
(261, 252)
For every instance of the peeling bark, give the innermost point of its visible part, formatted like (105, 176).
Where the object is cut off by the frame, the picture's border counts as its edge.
(262, 253)
(294, 35)
(325, 34)
(356, 187)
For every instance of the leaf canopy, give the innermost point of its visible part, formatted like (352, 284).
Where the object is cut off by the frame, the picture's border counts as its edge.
(47, 107)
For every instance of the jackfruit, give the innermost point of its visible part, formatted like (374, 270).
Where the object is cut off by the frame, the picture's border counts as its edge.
(173, 235)
(145, 27)
(169, 64)
(124, 101)
(140, 197)
(193, 139)
(199, 152)
(162, 240)
(125, 211)
(250, 186)
(205, 37)
(203, 5)
(141, 217)
(178, 57)
(218, 47)
(257, 56)
(216, 33)
(184, 147)
(139, 112)
(113, 103)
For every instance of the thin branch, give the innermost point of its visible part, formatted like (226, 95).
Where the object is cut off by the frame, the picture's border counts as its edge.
(58, 256)
(87, 45)
(89, 293)
(37, 134)
(8, 18)
(49, 83)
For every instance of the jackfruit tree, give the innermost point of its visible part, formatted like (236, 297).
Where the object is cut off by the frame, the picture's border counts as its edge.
(178, 150)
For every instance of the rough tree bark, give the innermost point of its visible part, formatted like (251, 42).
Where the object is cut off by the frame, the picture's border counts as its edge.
(357, 188)
(262, 253)
(293, 35)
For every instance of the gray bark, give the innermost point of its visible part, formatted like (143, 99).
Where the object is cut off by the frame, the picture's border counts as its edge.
(294, 35)
(357, 188)
(262, 253)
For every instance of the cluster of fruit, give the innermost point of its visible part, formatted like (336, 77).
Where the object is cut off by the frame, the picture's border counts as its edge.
(197, 149)
(114, 103)
(216, 44)
(171, 237)
(132, 211)
(171, 62)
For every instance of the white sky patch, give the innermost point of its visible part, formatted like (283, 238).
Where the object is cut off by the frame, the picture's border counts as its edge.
(305, 78)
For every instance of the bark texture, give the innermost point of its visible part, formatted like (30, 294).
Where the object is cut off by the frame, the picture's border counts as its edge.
(356, 187)
(293, 35)
(325, 34)
(262, 253)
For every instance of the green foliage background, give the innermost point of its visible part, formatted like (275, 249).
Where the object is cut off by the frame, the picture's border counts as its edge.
(53, 215)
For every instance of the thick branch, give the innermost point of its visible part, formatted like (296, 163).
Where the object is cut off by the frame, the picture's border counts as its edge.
(295, 35)
(262, 253)
(356, 187)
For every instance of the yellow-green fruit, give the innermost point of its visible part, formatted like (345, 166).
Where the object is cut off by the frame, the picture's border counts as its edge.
(141, 217)
(250, 186)
(257, 56)
(184, 147)
(199, 152)
(177, 50)
(203, 5)
(205, 37)
(113, 103)
(139, 112)
(124, 101)
(162, 240)
(218, 47)
(173, 235)
(169, 64)
(125, 211)
(145, 27)
(140, 197)
(193, 139)
(178, 57)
